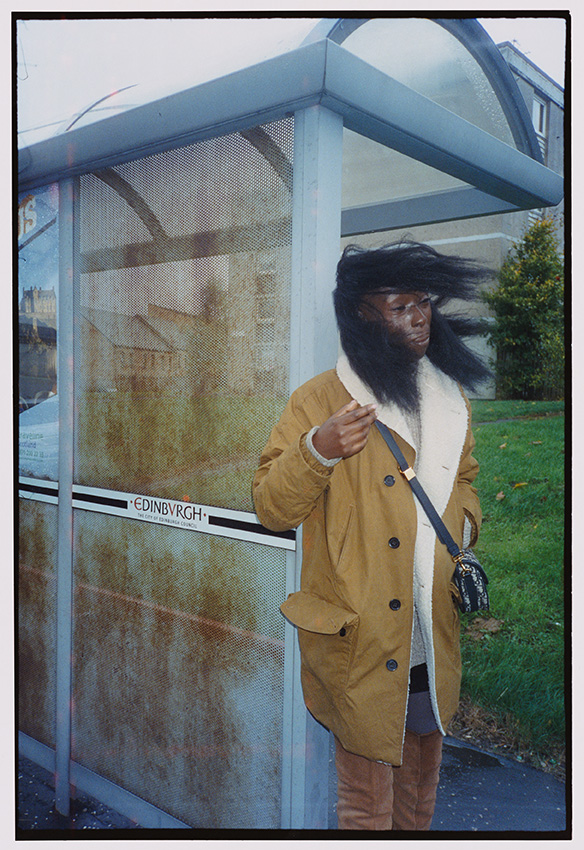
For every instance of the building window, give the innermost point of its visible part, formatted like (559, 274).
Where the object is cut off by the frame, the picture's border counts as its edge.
(540, 117)
(534, 216)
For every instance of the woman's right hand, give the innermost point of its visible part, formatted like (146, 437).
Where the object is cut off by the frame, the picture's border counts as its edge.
(345, 433)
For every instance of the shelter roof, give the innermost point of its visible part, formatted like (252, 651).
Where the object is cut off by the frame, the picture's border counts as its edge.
(435, 91)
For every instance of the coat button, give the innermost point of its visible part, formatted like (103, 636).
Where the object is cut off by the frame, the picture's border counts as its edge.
(391, 664)
(343, 632)
(395, 604)
(389, 480)
(393, 542)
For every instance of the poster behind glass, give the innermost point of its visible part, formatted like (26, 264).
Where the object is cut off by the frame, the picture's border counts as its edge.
(38, 287)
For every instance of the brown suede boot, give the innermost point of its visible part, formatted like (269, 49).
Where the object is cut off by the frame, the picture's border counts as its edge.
(416, 781)
(365, 792)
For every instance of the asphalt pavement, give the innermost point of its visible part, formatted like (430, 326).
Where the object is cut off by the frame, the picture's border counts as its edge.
(478, 792)
(35, 806)
(481, 792)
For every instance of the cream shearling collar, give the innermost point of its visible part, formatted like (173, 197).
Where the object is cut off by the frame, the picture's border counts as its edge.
(444, 419)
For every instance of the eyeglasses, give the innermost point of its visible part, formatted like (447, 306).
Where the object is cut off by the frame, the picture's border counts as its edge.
(424, 303)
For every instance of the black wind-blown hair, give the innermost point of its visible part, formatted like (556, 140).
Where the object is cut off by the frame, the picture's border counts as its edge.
(380, 359)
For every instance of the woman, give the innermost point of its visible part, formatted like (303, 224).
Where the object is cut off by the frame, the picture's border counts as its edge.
(377, 611)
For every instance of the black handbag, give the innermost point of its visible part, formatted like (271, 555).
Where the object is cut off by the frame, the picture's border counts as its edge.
(469, 576)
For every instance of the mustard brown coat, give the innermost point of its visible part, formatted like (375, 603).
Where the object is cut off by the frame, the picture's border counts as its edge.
(370, 554)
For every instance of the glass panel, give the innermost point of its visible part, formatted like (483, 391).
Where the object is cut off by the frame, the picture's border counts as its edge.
(178, 676)
(424, 56)
(185, 314)
(428, 59)
(38, 287)
(37, 601)
(374, 173)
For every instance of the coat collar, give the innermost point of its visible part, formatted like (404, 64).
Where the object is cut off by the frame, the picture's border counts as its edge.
(444, 423)
(390, 414)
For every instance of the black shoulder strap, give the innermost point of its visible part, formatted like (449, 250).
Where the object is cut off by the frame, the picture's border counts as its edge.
(442, 532)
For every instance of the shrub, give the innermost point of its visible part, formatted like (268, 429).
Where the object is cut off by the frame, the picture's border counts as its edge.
(528, 305)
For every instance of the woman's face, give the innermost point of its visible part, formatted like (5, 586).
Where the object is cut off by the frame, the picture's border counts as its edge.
(407, 315)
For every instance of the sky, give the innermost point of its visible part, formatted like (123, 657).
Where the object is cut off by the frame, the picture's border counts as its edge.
(541, 39)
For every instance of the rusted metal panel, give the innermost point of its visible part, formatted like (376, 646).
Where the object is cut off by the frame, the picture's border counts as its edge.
(178, 672)
(37, 587)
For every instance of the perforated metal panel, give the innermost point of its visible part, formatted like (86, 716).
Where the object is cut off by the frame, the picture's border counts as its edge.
(178, 672)
(183, 368)
(37, 589)
(184, 317)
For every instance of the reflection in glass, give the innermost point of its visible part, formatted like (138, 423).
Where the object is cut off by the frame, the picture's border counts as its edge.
(38, 269)
(373, 173)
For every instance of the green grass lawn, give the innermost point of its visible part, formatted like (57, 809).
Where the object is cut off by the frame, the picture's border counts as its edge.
(513, 657)
(484, 410)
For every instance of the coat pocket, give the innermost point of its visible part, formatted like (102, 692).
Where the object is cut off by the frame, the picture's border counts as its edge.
(455, 594)
(327, 634)
(456, 599)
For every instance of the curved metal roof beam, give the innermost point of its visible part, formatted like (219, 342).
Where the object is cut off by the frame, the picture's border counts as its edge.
(116, 182)
(481, 47)
(92, 106)
(274, 155)
(337, 29)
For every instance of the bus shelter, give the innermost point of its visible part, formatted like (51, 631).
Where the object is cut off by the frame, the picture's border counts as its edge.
(176, 259)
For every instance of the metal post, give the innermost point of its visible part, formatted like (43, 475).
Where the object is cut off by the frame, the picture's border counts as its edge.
(318, 140)
(316, 229)
(65, 511)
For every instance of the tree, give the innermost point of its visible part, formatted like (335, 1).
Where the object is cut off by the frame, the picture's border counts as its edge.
(528, 305)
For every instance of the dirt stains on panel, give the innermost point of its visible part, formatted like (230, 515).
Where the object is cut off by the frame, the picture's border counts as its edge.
(179, 670)
(37, 588)
(185, 294)
(209, 244)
